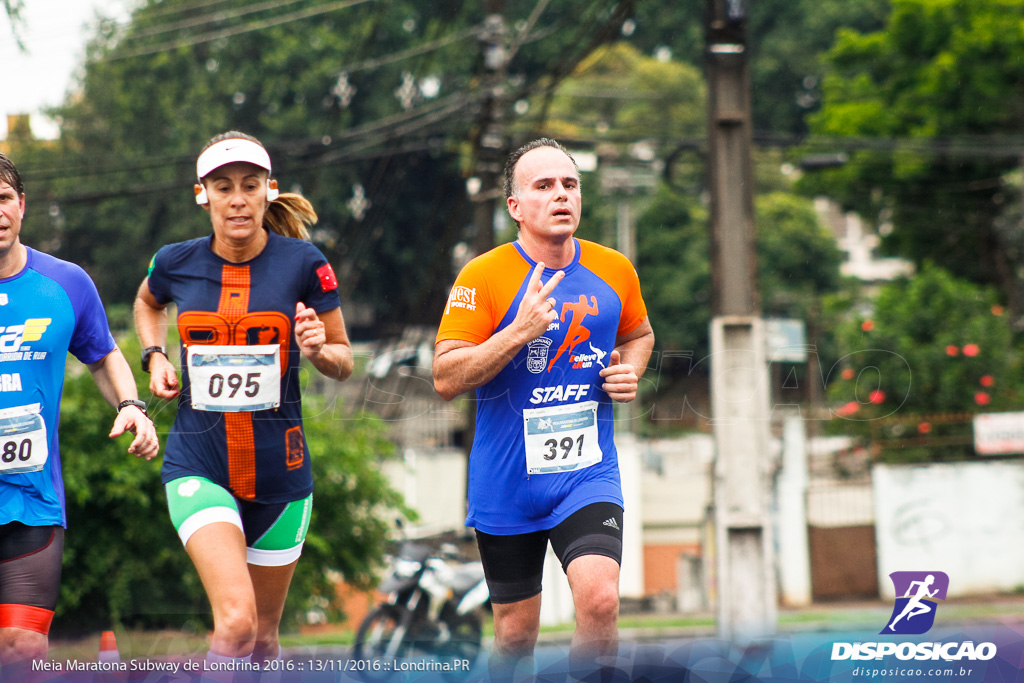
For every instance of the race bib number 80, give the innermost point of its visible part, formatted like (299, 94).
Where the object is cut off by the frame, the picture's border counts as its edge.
(23, 442)
(561, 438)
(230, 379)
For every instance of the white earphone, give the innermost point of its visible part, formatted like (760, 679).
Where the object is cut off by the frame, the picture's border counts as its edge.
(203, 198)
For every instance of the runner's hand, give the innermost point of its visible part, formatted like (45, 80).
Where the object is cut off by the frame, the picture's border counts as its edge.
(163, 378)
(131, 419)
(310, 332)
(537, 308)
(620, 379)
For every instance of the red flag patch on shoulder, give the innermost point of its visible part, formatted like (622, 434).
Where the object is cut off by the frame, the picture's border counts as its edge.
(327, 279)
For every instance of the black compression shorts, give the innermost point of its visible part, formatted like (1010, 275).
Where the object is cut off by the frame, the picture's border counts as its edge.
(514, 565)
(30, 558)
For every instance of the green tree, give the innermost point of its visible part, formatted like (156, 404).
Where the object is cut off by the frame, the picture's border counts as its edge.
(943, 75)
(798, 263)
(123, 561)
(798, 260)
(619, 95)
(934, 346)
(785, 39)
(354, 506)
(788, 38)
(379, 96)
(672, 262)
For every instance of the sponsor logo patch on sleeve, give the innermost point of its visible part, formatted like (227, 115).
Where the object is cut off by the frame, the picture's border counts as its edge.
(327, 279)
(461, 297)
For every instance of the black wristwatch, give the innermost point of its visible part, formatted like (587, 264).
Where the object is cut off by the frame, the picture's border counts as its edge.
(141, 405)
(149, 351)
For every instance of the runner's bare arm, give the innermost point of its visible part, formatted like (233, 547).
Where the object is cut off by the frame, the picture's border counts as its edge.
(151, 326)
(114, 378)
(323, 340)
(461, 366)
(628, 362)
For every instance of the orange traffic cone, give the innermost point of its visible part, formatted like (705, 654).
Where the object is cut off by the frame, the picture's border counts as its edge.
(108, 648)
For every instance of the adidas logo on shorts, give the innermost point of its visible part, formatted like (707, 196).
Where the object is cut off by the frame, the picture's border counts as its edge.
(612, 523)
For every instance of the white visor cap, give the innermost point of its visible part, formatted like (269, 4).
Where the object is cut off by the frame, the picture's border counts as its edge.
(231, 151)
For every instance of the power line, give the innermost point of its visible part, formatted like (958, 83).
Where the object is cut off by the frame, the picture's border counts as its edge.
(534, 17)
(364, 138)
(444, 41)
(353, 154)
(235, 31)
(368, 64)
(599, 31)
(183, 7)
(984, 147)
(966, 146)
(209, 18)
(455, 101)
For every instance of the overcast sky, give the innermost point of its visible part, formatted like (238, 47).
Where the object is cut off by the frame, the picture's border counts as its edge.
(54, 33)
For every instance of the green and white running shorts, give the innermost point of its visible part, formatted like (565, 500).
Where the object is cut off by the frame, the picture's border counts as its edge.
(274, 533)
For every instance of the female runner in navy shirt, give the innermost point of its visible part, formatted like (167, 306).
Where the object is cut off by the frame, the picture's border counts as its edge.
(252, 299)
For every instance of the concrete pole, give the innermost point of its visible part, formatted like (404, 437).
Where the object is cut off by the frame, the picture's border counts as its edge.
(490, 146)
(739, 369)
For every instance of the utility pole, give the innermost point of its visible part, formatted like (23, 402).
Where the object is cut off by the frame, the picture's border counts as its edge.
(739, 368)
(490, 151)
(490, 146)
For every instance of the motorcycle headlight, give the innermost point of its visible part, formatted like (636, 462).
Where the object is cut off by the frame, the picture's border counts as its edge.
(406, 567)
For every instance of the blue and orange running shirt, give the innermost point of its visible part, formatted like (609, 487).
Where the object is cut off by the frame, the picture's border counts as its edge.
(544, 443)
(49, 308)
(257, 453)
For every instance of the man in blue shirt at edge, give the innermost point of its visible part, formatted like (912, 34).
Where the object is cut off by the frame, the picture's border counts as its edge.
(65, 314)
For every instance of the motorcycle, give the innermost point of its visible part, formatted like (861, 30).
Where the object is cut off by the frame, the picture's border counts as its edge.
(432, 608)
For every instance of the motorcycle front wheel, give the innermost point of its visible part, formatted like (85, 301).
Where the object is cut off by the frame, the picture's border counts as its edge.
(375, 633)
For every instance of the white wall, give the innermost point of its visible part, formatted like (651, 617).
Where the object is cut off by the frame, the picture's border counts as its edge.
(677, 491)
(631, 576)
(791, 516)
(964, 519)
(433, 481)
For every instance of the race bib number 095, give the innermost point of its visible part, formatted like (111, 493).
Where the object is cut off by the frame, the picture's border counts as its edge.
(561, 438)
(23, 442)
(230, 379)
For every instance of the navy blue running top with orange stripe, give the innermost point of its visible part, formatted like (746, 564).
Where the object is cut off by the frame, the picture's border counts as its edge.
(261, 455)
(544, 445)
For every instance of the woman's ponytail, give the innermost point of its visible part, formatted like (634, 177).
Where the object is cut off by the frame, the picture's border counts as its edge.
(290, 215)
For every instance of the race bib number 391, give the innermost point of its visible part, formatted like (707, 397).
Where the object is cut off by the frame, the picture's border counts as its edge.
(231, 379)
(23, 442)
(561, 438)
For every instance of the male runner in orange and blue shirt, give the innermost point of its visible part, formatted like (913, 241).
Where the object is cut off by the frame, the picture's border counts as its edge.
(547, 330)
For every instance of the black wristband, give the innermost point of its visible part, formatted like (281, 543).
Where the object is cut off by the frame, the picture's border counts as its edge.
(149, 351)
(141, 405)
